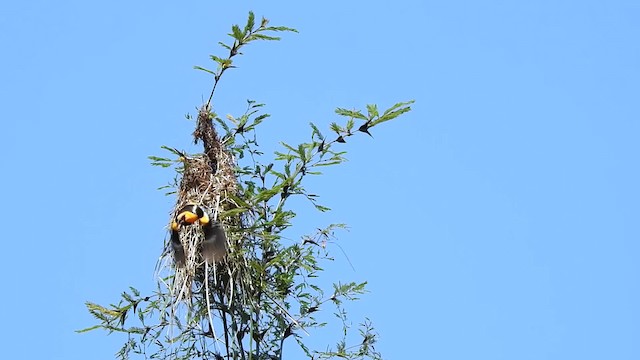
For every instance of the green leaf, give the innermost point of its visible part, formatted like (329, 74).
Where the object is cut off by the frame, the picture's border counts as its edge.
(393, 112)
(223, 124)
(372, 109)
(322, 208)
(289, 147)
(217, 59)
(280, 28)
(88, 329)
(239, 201)
(268, 168)
(350, 124)
(203, 69)
(232, 212)
(237, 33)
(316, 131)
(250, 23)
(398, 105)
(327, 163)
(173, 151)
(261, 117)
(266, 195)
(301, 152)
(278, 175)
(390, 115)
(136, 330)
(158, 159)
(281, 156)
(262, 37)
(350, 113)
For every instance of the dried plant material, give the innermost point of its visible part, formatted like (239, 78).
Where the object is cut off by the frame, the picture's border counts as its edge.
(198, 235)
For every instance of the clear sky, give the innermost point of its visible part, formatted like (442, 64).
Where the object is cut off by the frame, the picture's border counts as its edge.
(497, 220)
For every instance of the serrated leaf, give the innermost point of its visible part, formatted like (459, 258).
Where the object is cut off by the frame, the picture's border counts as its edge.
(316, 131)
(390, 116)
(237, 33)
(280, 28)
(136, 330)
(250, 23)
(350, 124)
(101, 309)
(156, 158)
(350, 113)
(262, 37)
(372, 109)
(281, 156)
(301, 152)
(397, 105)
(223, 124)
(327, 163)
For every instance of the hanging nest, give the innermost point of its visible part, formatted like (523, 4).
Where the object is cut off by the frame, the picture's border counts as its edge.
(208, 185)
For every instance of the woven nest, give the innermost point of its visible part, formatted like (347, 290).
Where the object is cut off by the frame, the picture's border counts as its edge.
(209, 181)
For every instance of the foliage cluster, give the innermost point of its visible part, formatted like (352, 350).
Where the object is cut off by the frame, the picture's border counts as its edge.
(276, 295)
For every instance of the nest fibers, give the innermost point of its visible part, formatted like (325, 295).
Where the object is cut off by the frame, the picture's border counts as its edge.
(208, 181)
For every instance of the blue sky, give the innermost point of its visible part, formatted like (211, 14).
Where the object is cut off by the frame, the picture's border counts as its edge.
(497, 220)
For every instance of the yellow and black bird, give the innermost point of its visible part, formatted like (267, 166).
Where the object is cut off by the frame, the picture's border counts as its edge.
(191, 213)
(187, 215)
(214, 246)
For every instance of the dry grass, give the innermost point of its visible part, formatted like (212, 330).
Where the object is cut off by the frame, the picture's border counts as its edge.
(208, 180)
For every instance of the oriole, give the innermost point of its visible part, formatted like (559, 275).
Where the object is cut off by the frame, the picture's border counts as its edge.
(214, 246)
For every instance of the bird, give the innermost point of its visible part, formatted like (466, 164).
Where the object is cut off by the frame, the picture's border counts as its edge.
(189, 214)
(214, 246)
(176, 245)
